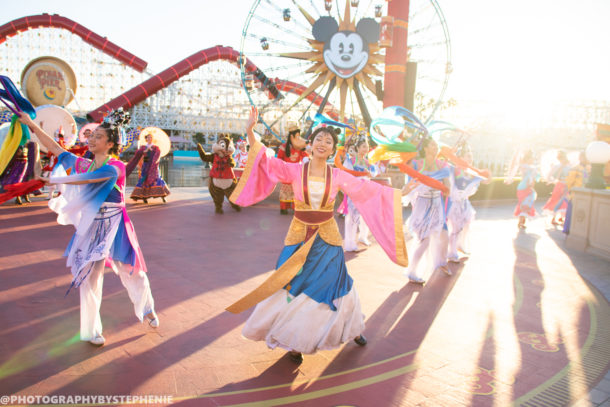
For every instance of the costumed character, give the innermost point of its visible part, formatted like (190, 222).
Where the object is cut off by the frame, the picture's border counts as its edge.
(292, 151)
(557, 204)
(309, 303)
(526, 194)
(356, 229)
(93, 200)
(222, 178)
(577, 177)
(150, 184)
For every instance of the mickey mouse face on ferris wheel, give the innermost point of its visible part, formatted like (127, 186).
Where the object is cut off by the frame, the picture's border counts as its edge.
(346, 52)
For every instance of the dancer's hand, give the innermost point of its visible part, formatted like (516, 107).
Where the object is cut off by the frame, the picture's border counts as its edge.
(25, 119)
(252, 120)
(46, 180)
(410, 186)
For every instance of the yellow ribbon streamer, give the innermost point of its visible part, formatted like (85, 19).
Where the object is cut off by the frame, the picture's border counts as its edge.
(10, 145)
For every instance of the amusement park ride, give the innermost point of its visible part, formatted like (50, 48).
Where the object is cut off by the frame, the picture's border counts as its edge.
(345, 59)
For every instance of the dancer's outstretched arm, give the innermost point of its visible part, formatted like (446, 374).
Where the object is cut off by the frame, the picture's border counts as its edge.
(252, 120)
(44, 138)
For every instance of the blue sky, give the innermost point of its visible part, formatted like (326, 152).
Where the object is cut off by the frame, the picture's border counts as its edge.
(502, 50)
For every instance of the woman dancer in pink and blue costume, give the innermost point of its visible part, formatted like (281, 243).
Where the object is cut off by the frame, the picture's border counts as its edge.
(93, 200)
(309, 303)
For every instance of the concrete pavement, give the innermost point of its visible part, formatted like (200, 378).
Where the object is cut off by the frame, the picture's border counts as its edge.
(523, 322)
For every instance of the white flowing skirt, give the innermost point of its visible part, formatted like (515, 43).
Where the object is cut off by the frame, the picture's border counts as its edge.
(95, 243)
(460, 215)
(304, 325)
(427, 217)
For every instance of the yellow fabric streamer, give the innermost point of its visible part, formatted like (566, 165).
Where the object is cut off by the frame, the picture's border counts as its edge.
(381, 153)
(275, 281)
(10, 145)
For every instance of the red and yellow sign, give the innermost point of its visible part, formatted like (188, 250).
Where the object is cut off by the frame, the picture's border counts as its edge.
(48, 80)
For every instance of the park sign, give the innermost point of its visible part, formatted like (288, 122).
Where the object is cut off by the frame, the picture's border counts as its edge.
(48, 80)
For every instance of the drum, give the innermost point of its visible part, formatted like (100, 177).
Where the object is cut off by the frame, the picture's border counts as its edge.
(386, 181)
(82, 134)
(54, 119)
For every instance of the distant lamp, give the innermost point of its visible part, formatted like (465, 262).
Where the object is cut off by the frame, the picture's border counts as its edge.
(286, 14)
(355, 3)
(264, 43)
(378, 10)
(598, 154)
(328, 4)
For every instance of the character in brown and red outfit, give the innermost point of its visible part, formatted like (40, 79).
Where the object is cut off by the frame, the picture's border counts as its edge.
(222, 177)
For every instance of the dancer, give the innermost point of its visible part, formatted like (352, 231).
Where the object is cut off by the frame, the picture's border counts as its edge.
(309, 303)
(292, 151)
(428, 216)
(93, 200)
(526, 194)
(356, 229)
(577, 177)
(557, 204)
(461, 213)
(52, 159)
(34, 168)
(222, 178)
(21, 167)
(150, 184)
(241, 155)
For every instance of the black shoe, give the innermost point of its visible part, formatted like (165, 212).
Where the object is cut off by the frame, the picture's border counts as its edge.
(283, 211)
(361, 340)
(163, 199)
(296, 357)
(236, 208)
(18, 201)
(219, 210)
(145, 200)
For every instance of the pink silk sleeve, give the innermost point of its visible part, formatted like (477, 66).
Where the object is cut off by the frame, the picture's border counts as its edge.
(381, 208)
(261, 175)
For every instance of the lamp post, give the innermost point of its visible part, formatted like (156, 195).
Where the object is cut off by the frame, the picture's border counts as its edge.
(598, 154)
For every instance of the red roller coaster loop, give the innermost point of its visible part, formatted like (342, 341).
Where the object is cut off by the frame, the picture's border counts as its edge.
(56, 21)
(163, 79)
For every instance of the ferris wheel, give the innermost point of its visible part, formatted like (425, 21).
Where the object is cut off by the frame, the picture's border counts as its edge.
(309, 56)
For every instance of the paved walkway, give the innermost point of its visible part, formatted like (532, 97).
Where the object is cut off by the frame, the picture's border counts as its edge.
(523, 322)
